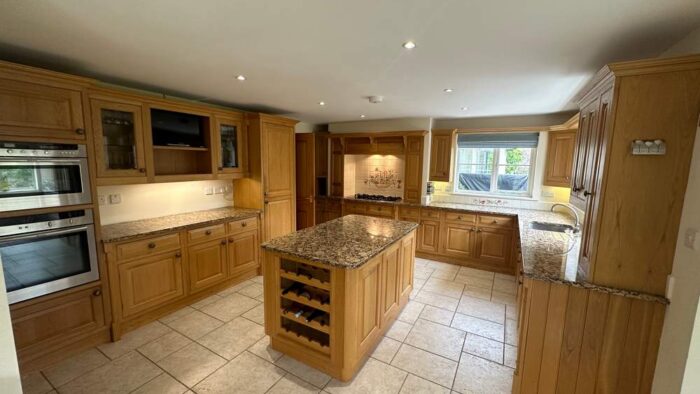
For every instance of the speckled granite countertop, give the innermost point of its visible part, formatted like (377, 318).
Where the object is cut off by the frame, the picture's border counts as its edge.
(548, 256)
(346, 242)
(137, 228)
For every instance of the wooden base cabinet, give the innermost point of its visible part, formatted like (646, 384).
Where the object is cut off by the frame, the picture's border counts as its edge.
(149, 282)
(347, 312)
(208, 263)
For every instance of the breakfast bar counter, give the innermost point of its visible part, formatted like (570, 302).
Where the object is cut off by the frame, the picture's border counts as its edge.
(333, 290)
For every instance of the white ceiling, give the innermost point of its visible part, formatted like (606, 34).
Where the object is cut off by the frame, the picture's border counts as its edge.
(501, 57)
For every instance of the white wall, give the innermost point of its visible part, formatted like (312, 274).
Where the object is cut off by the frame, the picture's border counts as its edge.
(9, 370)
(161, 199)
(398, 124)
(679, 326)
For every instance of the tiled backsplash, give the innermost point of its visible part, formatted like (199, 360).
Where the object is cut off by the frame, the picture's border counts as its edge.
(374, 174)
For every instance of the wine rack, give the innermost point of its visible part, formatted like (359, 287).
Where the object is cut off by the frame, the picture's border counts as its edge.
(305, 302)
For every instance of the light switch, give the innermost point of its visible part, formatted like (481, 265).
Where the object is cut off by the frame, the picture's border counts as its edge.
(115, 198)
(208, 190)
(691, 239)
(102, 199)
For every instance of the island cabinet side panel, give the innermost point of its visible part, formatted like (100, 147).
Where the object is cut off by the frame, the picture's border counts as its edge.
(583, 340)
(408, 262)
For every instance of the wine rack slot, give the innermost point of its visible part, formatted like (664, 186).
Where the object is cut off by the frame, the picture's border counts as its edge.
(310, 317)
(307, 274)
(308, 336)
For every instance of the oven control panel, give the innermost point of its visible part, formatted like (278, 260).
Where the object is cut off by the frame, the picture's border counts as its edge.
(46, 221)
(32, 149)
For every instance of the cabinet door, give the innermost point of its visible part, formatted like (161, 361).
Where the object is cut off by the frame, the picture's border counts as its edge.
(150, 282)
(413, 173)
(494, 245)
(585, 146)
(230, 146)
(337, 168)
(429, 236)
(369, 296)
(243, 252)
(459, 240)
(207, 264)
(391, 282)
(32, 110)
(280, 218)
(305, 180)
(408, 252)
(560, 158)
(441, 157)
(278, 160)
(119, 140)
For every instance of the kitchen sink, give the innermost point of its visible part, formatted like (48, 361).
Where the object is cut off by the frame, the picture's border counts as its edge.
(555, 227)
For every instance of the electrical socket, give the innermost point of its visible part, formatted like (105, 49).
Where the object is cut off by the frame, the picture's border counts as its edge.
(219, 190)
(101, 199)
(208, 190)
(115, 198)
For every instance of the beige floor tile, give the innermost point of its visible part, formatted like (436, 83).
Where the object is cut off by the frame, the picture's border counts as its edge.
(124, 374)
(478, 375)
(504, 286)
(503, 298)
(436, 338)
(263, 349)
(164, 346)
(437, 315)
(374, 377)
(206, 301)
(177, 314)
(474, 281)
(484, 348)
(440, 266)
(195, 325)
(246, 371)
(258, 279)
(191, 364)
(510, 356)
(446, 275)
(399, 330)
(256, 314)
(235, 288)
(418, 283)
(162, 384)
(69, 369)
(478, 326)
(477, 292)
(261, 297)
(415, 385)
(511, 332)
(229, 340)
(444, 287)
(230, 307)
(386, 350)
(426, 365)
(290, 384)
(303, 371)
(473, 272)
(422, 273)
(507, 277)
(133, 339)
(35, 383)
(437, 300)
(411, 312)
(511, 312)
(482, 309)
(252, 290)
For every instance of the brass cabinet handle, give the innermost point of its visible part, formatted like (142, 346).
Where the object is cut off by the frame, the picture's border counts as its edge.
(244, 224)
(220, 168)
(230, 240)
(97, 293)
(80, 131)
(495, 221)
(151, 245)
(223, 242)
(207, 232)
(459, 217)
(478, 230)
(142, 170)
(178, 254)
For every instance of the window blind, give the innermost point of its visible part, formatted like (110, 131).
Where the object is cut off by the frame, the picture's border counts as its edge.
(498, 140)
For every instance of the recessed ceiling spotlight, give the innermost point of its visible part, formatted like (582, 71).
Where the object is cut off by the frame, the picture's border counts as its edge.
(241, 77)
(448, 90)
(463, 108)
(321, 103)
(362, 116)
(409, 45)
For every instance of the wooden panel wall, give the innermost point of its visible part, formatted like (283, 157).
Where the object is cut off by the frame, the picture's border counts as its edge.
(585, 341)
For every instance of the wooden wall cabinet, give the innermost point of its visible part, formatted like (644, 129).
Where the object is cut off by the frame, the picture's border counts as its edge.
(441, 147)
(337, 167)
(560, 158)
(230, 148)
(311, 176)
(413, 170)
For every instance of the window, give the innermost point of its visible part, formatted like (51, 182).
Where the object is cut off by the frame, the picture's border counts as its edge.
(498, 163)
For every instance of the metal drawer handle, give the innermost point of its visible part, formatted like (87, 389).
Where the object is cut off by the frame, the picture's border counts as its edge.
(223, 242)
(587, 193)
(97, 293)
(151, 245)
(207, 232)
(230, 240)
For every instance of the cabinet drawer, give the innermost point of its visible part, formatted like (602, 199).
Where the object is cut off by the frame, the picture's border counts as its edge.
(206, 233)
(355, 207)
(242, 225)
(409, 212)
(460, 217)
(148, 246)
(430, 213)
(380, 210)
(495, 221)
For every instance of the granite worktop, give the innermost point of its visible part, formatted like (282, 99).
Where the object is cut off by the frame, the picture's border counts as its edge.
(154, 226)
(347, 242)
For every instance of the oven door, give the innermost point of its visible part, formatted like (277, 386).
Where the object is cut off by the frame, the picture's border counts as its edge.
(40, 183)
(44, 262)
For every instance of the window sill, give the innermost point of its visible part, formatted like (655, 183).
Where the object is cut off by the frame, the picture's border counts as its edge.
(489, 195)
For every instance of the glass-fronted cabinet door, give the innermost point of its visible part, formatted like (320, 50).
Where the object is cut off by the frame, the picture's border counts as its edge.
(118, 139)
(230, 145)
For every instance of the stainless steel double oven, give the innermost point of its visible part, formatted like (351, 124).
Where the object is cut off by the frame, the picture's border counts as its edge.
(53, 249)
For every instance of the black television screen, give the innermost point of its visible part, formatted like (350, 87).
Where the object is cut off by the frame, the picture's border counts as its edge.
(177, 128)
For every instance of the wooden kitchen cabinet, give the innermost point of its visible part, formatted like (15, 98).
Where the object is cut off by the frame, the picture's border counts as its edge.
(243, 252)
(305, 145)
(413, 170)
(391, 289)
(429, 236)
(560, 158)
(230, 146)
(441, 148)
(208, 263)
(494, 245)
(459, 240)
(337, 168)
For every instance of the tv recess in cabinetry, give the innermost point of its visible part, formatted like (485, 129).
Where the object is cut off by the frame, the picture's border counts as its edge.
(181, 143)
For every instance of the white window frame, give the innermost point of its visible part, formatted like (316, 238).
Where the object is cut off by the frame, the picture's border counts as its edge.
(494, 178)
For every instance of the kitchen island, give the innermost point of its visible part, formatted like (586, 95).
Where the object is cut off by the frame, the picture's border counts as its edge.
(333, 290)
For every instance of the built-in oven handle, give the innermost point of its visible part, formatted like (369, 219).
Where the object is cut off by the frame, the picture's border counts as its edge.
(41, 234)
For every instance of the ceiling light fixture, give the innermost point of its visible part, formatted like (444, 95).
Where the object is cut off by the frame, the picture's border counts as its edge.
(463, 108)
(362, 116)
(321, 103)
(409, 45)
(448, 90)
(241, 77)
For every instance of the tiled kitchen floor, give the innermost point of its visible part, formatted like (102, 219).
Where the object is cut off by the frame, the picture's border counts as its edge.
(455, 334)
